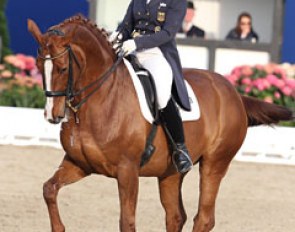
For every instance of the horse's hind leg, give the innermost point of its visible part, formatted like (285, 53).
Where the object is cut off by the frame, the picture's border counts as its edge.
(171, 199)
(211, 174)
(67, 173)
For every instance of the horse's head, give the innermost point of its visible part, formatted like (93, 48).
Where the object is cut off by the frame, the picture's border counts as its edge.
(55, 61)
(67, 52)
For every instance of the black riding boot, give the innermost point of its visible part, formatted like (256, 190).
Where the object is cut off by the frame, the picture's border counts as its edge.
(172, 120)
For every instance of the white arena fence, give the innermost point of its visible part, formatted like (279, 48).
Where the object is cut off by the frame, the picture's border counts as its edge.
(23, 126)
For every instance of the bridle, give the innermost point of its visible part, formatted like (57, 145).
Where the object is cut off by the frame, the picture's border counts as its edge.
(69, 91)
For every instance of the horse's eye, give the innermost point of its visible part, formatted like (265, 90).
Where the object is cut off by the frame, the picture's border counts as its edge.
(62, 70)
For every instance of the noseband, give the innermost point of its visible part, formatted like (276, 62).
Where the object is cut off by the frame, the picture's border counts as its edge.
(69, 91)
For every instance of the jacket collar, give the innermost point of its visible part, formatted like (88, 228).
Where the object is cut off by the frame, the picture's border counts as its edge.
(153, 2)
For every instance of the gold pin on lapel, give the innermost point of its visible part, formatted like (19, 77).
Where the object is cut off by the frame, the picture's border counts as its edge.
(161, 16)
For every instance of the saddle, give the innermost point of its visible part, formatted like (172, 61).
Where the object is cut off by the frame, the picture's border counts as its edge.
(148, 84)
(150, 92)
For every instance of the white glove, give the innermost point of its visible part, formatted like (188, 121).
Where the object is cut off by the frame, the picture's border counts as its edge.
(115, 36)
(128, 47)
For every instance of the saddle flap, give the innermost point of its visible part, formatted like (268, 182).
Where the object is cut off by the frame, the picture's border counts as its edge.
(192, 115)
(148, 84)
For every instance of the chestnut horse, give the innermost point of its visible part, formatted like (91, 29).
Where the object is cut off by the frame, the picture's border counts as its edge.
(104, 132)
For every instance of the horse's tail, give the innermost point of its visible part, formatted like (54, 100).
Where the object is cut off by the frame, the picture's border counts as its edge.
(260, 112)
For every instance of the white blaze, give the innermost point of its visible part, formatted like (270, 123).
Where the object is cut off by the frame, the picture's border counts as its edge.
(48, 67)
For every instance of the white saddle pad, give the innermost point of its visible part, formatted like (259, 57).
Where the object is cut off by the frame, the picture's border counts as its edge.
(192, 115)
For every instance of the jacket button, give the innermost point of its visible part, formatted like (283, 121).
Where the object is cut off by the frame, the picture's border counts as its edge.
(157, 28)
(148, 13)
(146, 23)
(138, 13)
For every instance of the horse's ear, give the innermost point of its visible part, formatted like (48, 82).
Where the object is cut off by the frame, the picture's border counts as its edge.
(35, 31)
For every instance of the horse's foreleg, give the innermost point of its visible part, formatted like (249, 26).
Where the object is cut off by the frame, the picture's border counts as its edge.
(171, 199)
(67, 173)
(128, 191)
(211, 174)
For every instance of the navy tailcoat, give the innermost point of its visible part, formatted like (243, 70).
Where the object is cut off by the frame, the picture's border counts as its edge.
(157, 23)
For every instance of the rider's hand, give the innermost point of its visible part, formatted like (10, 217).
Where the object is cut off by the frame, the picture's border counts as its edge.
(128, 47)
(115, 37)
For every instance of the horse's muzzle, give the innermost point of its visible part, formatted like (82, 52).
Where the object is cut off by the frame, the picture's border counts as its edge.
(55, 120)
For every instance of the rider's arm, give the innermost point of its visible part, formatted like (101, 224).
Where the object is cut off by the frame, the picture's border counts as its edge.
(127, 25)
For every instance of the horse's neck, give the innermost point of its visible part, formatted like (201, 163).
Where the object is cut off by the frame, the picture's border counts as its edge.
(111, 108)
(97, 58)
(114, 102)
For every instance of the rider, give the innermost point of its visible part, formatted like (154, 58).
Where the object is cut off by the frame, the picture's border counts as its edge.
(148, 30)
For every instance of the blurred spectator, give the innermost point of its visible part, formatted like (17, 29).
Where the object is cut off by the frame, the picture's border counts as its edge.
(188, 27)
(243, 30)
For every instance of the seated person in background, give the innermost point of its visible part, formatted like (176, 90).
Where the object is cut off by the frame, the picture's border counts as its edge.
(243, 30)
(188, 27)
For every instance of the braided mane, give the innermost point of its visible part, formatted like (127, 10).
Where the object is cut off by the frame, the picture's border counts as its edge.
(83, 21)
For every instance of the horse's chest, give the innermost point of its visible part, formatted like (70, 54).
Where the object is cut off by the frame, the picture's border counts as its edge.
(84, 149)
(71, 142)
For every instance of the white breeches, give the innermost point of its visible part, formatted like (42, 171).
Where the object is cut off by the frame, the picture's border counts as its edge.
(154, 61)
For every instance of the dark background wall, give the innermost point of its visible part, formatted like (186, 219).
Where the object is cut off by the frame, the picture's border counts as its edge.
(45, 13)
(288, 51)
(50, 12)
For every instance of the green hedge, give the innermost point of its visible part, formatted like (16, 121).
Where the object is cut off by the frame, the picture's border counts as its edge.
(4, 30)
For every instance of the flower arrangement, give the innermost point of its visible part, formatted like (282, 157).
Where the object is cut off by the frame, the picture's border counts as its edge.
(272, 83)
(20, 82)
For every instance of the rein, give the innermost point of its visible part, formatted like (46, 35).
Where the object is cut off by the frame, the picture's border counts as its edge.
(99, 83)
(69, 92)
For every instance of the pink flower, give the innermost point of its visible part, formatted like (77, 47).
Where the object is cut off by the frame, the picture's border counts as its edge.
(287, 91)
(266, 83)
(19, 64)
(246, 81)
(269, 68)
(259, 83)
(272, 79)
(247, 71)
(248, 89)
(10, 59)
(6, 74)
(268, 99)
(232, 79)
(259, 67)
(2, 67)
(279, 83)
(236, 71)
(29, 61)
(39, 81)
(18, 76)
(291, 83)
(277, 95)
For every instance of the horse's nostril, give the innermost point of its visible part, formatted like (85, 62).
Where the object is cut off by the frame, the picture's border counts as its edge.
(55, 120)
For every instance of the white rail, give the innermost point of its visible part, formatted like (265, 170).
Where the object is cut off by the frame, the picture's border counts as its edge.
(22, 126)
(269, 145)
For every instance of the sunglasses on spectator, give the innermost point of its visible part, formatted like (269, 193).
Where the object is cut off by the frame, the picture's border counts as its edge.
(245, 23)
